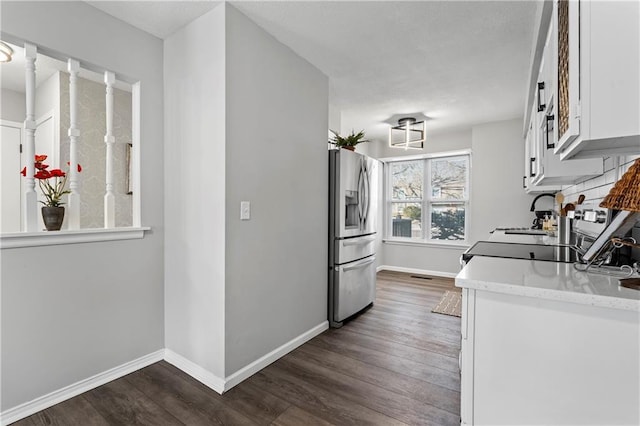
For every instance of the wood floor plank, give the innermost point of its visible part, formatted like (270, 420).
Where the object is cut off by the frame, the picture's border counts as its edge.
(401, 384)
(122, 404)
(406, 339)
(388, 347)
(72, 412)
(295, 416)
(399, 407)
(321, 403)
(445, 378)
(192, 405)
(435, 334)
(260, 406)
(431, 322)
(411, 311)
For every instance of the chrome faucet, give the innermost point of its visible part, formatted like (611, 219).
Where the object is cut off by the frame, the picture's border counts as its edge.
(533, 203)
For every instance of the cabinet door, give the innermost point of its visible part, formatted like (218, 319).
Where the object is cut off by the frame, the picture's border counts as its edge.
(566, 17)
(465, 360)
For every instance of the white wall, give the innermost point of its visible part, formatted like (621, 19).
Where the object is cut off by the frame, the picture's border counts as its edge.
(451, 140)
(276, 263)
(195, 192)
(72, 311)
(48, 133)
(497, 196)
(422, 257)
(12, 105)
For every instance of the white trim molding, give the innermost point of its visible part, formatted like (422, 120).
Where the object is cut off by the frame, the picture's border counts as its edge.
(199, 373)
(38, 404)
(35, 239)
(416, 271)
(274, 355)
(222, 385)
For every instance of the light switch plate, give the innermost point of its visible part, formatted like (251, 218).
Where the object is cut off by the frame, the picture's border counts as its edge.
(245, 210)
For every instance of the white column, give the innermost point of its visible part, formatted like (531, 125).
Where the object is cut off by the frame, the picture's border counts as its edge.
(109, 140)
(73, 213)
(30, 200)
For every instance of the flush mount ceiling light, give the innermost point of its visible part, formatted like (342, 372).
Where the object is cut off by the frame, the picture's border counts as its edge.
(5, 52)
(408, 134)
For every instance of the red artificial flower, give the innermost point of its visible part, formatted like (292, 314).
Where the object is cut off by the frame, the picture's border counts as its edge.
(24, 171)
(57, 173)
(41, 166)
(79, 168)
(40, 158)
(42, 174)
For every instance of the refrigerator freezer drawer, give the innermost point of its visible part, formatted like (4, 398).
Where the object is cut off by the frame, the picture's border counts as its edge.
(355, 287)
(351, 249)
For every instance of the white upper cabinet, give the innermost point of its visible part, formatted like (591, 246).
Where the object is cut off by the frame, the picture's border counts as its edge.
(544, 171)
(597, 83)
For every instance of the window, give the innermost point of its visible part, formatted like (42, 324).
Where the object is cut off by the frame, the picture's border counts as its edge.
(427, 198)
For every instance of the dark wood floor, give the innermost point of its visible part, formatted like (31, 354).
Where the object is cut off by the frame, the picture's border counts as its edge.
(395, 364)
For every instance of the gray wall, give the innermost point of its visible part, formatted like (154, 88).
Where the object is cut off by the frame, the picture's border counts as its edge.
(195, 195)
(276, 263)
(72, 311)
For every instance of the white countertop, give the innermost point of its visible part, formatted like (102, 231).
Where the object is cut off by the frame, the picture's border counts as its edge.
(501, 237)
(546, 280)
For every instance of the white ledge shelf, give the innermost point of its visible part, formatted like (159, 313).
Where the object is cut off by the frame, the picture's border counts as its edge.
(50, 238)
(424, 243)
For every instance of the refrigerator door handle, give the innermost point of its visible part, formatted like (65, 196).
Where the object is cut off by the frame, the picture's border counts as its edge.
(366, 194)
(357, 265)
(358, 241)
(361, 196)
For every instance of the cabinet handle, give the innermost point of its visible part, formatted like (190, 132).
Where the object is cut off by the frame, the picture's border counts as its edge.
(524, 182)
(541, 106)
(532, 160)
(549, 126)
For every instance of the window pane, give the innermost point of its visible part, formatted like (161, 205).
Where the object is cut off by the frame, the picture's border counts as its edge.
(449, 178)
(447, 221)
(406, 220)
(406, 180)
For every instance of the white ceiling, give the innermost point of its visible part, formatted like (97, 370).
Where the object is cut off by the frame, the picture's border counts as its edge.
(459, 63)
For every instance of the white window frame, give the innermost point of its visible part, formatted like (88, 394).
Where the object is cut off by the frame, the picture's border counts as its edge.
(426, 202)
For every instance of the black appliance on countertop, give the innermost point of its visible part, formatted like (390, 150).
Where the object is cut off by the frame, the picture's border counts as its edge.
(588, 224)
(542, 252)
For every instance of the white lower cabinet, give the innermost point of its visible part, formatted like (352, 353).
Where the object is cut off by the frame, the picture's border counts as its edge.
(526, 360)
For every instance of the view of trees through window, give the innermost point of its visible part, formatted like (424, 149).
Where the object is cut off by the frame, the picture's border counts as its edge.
(437, 186)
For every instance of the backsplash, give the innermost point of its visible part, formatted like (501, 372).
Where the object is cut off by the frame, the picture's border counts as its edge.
(595, 189)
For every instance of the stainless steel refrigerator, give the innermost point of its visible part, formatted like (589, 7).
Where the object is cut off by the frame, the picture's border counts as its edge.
(353, 205)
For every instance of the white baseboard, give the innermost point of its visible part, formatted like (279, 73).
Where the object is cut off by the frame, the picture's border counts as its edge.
(28, 408)
(273, 356)
(199, 373)
(416, 271)
(207, 378)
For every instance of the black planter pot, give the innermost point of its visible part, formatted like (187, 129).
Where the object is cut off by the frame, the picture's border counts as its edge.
(53, 217)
